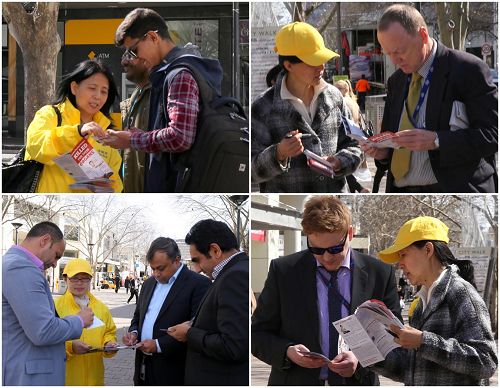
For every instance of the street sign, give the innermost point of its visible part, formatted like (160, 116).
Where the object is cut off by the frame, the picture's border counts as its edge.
(480, 257)
(486, 49)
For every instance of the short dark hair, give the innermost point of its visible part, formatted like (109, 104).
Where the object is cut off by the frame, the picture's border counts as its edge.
(140, 21)
(46, 227)
(289, 58)
(406, 15)
(206, 232)
(166, 245)
(82, 71)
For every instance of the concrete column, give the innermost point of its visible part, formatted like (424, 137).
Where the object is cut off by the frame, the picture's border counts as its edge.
(292, 238)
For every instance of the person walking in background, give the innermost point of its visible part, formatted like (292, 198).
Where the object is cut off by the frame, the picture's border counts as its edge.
(306, 291)
(449, 340)
(84, 100)
(135, 114)
(82, 367)
(32, 335)
(217, 336)
(127, 284)
(171, 296)
(301, 111)
(133, 290)
(362, 87)
(118, 282)
(443, 106)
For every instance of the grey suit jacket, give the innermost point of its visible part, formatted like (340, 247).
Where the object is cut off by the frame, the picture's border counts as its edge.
(33, 351)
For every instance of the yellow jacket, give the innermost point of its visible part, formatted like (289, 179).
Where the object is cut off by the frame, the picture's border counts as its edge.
(46, 141)
(87, 369)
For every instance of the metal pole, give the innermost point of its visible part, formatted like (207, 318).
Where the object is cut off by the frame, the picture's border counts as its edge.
(339, 41)
(238, 226)
(236, 52)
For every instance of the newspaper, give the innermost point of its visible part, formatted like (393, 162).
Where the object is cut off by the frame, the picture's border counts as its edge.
(367, 332)
(86, 166)
(381, 140)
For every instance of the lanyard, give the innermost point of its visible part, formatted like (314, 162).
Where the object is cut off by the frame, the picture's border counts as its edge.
(336, 289)
(423, 92)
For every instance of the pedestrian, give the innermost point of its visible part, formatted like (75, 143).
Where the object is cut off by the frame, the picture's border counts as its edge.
(84, 99)
(171, 296)
(449, 340)
(118, 282)
(127, 284)
(362, 87)
(301, 111)
(306, 291)
(401, 303)
(135, 114)
(32, 335)
(217, 336)
(82, 367)
(443, 105)
(145, 36)
(133, 290)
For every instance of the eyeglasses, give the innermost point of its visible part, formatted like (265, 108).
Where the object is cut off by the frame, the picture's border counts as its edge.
(80, 280)
(131, 53)
(332, 250)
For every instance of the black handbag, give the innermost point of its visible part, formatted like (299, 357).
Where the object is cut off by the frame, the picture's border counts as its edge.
(19, 175)
(22, 176)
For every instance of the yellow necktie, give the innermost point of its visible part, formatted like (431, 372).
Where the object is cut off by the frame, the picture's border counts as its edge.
(400, 163)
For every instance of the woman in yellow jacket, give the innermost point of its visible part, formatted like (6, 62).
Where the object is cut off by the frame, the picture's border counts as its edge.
(84, 98)
(82, 367)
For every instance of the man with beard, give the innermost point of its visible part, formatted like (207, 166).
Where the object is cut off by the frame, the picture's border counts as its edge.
(135, 114)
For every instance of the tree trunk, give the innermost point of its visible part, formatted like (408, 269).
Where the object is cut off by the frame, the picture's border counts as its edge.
(36, 34)
(453, 21)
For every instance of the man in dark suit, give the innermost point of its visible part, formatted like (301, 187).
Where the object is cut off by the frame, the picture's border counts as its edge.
(308, 290)
(217, 338)
(444, 107)
(169, 297)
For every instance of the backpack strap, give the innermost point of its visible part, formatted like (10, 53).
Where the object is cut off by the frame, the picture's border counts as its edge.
(58, 113)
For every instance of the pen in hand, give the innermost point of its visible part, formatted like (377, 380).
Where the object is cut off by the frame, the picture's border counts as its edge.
(302, 135)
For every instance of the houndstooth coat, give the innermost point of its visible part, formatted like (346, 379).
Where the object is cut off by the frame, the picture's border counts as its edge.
(457, 343)
(272, 118)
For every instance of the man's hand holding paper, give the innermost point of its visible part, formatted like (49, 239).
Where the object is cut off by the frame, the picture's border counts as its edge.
(344, 364)
(408, 337)
(294, 354)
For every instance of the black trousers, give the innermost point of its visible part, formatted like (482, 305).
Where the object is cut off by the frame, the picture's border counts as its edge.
(133, 291)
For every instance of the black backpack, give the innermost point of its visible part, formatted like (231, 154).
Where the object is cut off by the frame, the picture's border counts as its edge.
(218, 161)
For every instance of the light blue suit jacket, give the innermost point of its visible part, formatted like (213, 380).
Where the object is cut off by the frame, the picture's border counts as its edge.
(33, 351)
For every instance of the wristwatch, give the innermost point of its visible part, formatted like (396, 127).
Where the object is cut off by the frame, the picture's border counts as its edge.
(436, 141)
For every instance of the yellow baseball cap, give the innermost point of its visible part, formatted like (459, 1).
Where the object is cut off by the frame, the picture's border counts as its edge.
(77, 266)
(416, 229)
(303, 41)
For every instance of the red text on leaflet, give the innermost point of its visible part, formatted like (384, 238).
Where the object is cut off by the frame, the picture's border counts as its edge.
(81, 150)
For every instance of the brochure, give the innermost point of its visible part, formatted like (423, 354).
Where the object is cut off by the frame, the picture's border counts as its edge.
(110, 349)
(381, 140)
(86, 166)
(318, 164)
(367, 332)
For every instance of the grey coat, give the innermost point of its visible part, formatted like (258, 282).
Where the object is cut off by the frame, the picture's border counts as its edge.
(33, 350)
(457, 343)
(272, 118)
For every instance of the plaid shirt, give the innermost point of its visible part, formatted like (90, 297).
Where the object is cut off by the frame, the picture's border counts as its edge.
(182, 108)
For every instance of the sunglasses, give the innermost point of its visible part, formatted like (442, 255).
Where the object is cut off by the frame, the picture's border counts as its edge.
(131, 53)
(332, 250)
